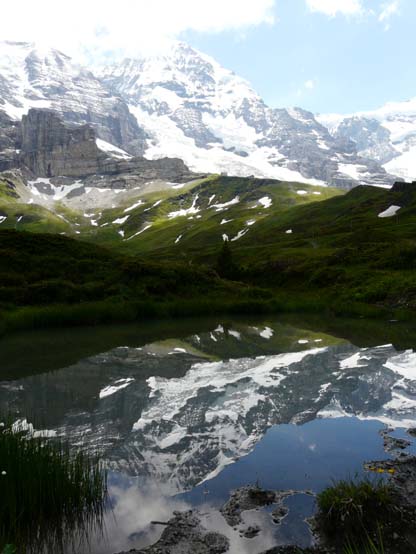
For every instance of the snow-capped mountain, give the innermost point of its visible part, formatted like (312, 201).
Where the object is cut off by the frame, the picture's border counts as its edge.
(387, 135)
(175, 418)
(31, 77)
(193, 108)
(182, 105)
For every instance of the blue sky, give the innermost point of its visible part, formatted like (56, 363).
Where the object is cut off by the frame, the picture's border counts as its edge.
(324, 55)
(325, 64)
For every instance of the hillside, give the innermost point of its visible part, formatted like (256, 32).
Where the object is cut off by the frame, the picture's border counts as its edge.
(344, 253)
(153, 215)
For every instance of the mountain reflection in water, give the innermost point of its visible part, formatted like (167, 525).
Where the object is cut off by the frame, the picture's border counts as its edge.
(181, 422)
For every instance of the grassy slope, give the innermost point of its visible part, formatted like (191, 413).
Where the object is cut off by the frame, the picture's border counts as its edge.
(55, 280)
(342, 245)
(339, 252)
(202, 228)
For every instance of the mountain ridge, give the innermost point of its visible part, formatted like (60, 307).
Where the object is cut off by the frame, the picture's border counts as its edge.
(387, 134)
(183, 105)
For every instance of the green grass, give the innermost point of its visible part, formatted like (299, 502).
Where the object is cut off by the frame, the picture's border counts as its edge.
(354, 512)
(49, 495)
(369, 547)
(340, 257)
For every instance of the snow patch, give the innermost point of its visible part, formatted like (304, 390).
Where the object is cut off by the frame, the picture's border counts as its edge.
(121, 220)
(134, 206)
(184, 212)
(140, 232)
(266, 201)
(267, 333)
(240, 234)
(390, 212)
(112, 150)
(118, 385)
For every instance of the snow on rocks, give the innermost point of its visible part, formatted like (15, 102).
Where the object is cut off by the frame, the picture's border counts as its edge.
(121, 220)
(267, 333)
(353, 361)
(184, 212)
(289, 232)
(404, 364)
(240, 234)
(220, 207)
(118, 385)
(112, 150)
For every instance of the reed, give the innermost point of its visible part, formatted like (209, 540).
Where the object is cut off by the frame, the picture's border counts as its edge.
(50, 496)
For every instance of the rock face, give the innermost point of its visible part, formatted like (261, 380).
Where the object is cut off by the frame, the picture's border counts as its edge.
(50, 148)
(31, 77)
(370, 137)
(10, 141)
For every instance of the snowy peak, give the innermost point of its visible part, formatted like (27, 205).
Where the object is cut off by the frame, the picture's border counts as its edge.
(183, 75)
(33, 77)
(387, 135)
(191, 107)
(184, 104)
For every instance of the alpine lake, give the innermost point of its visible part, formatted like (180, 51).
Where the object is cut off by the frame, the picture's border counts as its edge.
(184, 412)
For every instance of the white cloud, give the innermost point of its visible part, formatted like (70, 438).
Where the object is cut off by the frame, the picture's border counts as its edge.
(334, 7)
(93, 27)
(308, 85)
(388, 9)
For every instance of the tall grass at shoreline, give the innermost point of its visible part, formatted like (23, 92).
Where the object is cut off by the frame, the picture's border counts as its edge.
(118, 311)
(49, 496)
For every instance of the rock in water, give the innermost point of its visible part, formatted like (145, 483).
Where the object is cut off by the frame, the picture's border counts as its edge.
(184, 534)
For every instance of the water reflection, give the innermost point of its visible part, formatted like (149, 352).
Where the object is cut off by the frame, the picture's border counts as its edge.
(190, 418)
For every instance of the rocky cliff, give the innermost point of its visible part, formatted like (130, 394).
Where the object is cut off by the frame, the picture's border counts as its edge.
(32, 77)
(51, 148)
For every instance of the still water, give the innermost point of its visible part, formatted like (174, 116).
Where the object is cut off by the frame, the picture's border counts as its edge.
(184, 412)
